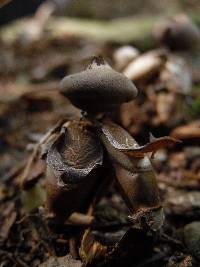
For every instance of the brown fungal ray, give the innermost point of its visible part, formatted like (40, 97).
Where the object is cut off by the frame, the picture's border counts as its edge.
(99, 88)
(135, 176)
(35, 166)
(140, 192)
(113, 138)
(73, 172)
(130, 147)
(151, 147)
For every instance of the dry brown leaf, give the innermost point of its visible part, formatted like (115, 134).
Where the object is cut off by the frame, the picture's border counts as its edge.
(33, 171)
(91, 249)
(188, 131)
(10, 216)
(4, 2)
(144, 66)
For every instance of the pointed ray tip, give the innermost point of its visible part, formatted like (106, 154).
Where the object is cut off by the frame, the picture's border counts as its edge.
(152, 137)
(97, 60)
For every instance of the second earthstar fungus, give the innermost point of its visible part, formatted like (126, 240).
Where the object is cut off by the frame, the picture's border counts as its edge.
(84, 155)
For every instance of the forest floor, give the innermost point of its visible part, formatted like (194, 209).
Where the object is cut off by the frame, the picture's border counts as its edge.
(30, 104)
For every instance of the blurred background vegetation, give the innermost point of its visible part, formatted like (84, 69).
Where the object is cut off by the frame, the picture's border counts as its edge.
(104, 9)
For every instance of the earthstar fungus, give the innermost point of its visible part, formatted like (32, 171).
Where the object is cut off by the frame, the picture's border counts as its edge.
(79, 153)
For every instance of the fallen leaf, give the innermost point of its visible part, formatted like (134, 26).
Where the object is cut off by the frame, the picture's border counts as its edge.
(91, 249)
(9, 220)
(188, 131)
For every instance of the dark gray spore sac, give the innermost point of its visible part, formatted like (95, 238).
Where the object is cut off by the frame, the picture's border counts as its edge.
(99, 88)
